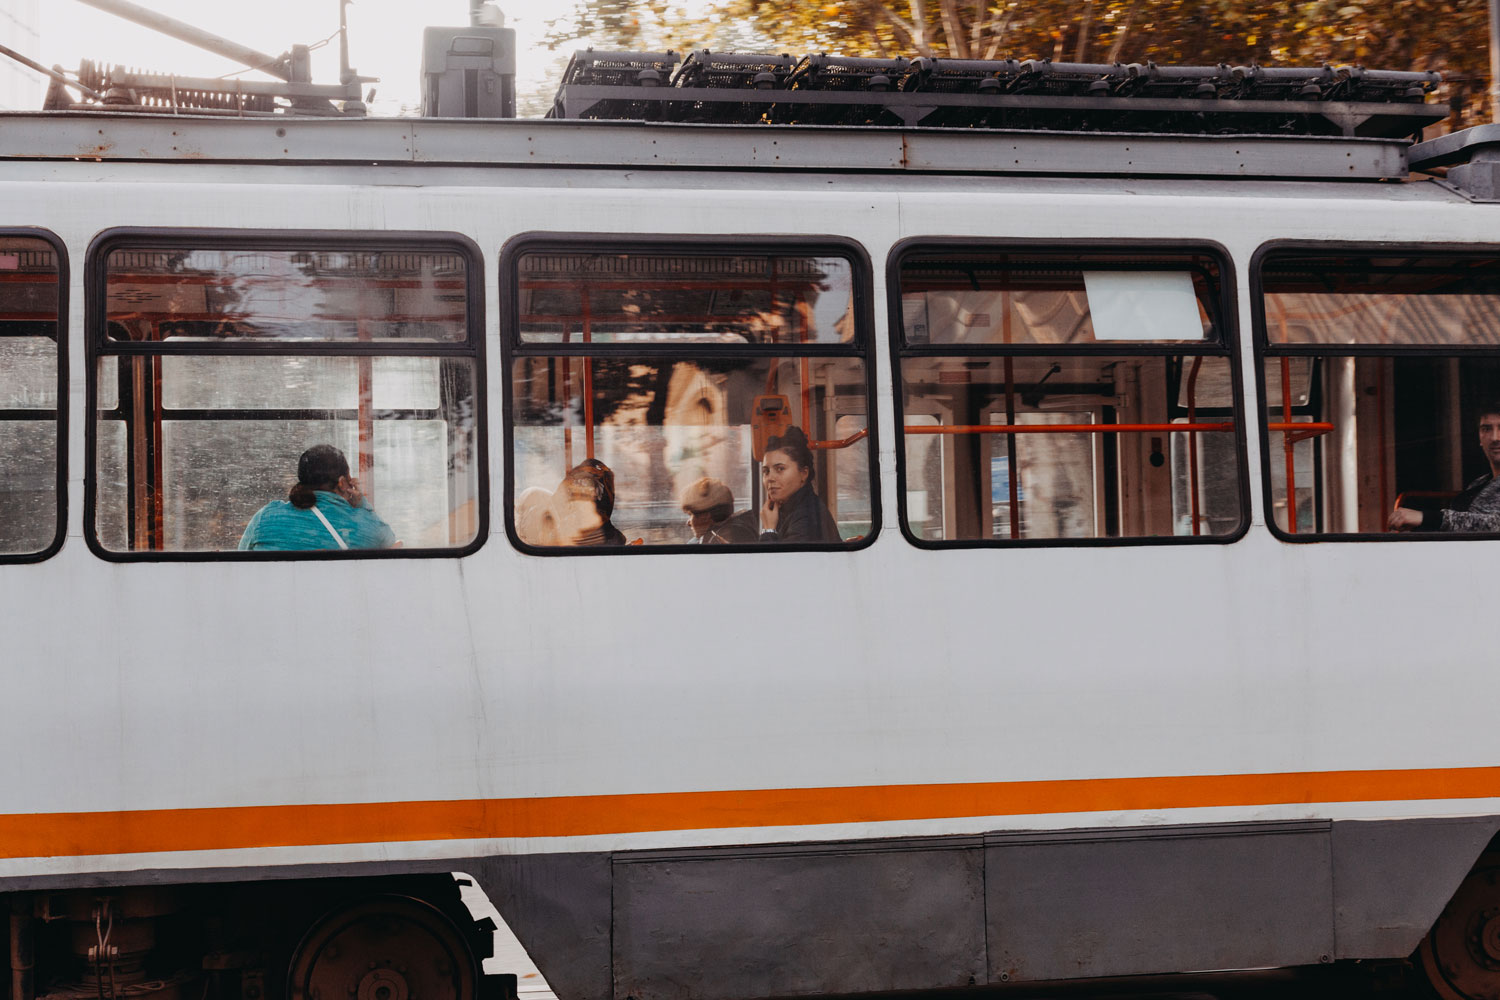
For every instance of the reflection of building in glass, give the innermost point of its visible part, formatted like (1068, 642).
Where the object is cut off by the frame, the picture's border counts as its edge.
(21, 29)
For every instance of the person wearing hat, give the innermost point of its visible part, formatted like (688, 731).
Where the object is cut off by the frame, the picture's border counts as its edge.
(709, 505)
(324, 510)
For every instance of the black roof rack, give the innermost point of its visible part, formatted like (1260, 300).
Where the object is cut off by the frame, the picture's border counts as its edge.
(1033, 94)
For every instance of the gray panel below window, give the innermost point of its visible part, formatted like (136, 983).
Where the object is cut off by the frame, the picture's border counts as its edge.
(1092, 903)
(799, 920)
(1385, 899)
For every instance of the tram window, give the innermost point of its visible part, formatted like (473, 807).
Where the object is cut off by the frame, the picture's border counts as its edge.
(1377, 368)
(218, 366)
(668, 367)
(30, 312)
(1066, 395)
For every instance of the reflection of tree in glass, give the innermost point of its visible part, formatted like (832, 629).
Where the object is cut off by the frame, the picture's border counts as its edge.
(601, 298)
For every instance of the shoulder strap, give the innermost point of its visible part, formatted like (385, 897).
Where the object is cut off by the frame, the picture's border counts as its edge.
(336, 536)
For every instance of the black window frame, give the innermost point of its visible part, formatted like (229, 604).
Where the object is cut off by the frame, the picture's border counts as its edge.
(1265, 350)
(1227, 322)
(98, 344)
(513, 347)
(60, 413)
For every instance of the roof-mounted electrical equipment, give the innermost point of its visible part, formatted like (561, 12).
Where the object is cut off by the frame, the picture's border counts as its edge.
(1471, 156)
(1030, 95)
(470, 72)
(116, 88)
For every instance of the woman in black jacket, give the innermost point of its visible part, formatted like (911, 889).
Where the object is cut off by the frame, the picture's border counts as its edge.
(792, 511)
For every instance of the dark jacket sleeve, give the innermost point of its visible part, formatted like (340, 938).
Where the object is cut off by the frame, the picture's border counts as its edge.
(804, 519)
(1483, 512)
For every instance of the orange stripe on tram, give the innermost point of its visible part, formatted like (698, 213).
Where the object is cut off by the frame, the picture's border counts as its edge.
(238, 827)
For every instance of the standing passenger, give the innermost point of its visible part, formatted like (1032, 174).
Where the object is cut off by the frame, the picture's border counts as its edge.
(792, 511)
(324, 510)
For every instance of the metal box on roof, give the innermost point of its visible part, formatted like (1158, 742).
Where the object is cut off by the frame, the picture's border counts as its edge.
(469, 72)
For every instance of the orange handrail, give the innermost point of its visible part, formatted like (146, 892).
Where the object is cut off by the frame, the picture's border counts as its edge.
(859, 435)
(1303, 429)
(1424, 494)
(1065, 428)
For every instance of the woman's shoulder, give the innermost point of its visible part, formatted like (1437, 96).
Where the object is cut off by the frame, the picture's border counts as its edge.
(274, 508)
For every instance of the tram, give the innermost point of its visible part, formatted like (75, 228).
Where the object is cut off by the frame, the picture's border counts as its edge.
(1102, 663)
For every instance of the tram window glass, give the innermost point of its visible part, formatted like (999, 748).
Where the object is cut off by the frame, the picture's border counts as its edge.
(217, 366)
(1053, 395)
(30, 310)
(1377, 367)
(671, 366)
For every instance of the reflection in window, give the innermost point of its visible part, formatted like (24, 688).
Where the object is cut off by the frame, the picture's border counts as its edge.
(1378, 370)
(1066, 396)
(614, 445)
(602, 298)
(29, 405)
(190, 441)
(265, 293)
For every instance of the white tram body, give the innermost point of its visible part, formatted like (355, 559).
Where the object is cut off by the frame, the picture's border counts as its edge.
(761, 773)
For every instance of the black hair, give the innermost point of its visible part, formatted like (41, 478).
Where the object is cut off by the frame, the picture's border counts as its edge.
(320, 468)
(1492, 407)
(794, 443)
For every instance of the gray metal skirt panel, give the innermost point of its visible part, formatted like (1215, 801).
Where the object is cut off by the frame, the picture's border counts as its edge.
(915, 914)
(924, 914)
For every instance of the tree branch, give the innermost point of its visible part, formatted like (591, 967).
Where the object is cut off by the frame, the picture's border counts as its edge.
(1119, 43)
(1083, 32)
(953, 27)
(917, 33)
(998, 38)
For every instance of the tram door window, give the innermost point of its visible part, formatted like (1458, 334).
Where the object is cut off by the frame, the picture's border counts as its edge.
(651, 382)
(1067, 395)
(30, 315)
(218, 364)
(1377, 366)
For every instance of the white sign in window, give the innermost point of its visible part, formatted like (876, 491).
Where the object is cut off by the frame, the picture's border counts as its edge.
(1143, 305)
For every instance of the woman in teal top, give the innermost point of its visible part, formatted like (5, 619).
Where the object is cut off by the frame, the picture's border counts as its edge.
(324, 510)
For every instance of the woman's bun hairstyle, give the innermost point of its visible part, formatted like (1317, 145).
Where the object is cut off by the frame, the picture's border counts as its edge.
(794, 443)
(320, 468)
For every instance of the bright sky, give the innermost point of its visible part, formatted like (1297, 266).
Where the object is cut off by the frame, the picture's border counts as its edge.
(385, 38)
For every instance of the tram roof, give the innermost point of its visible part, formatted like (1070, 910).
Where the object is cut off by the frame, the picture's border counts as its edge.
(74, 135)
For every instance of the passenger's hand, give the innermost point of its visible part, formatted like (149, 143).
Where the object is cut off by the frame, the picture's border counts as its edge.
(769, 515)
(348, 488)
(1404, 519)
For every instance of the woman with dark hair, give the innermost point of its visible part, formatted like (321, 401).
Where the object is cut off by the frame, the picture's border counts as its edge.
(792, 511)
(324, 510)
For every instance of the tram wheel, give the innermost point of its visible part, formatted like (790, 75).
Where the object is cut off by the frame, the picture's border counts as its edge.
(383, 948)
(1460, 957)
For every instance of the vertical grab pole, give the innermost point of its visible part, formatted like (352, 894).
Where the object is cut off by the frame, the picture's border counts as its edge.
(1192, 437)
(366, 430)
(1380, 376)
(800, 306)
(158, 445)
(1013, 471)
(567, 397)
(588, 379)
(1288, 443)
